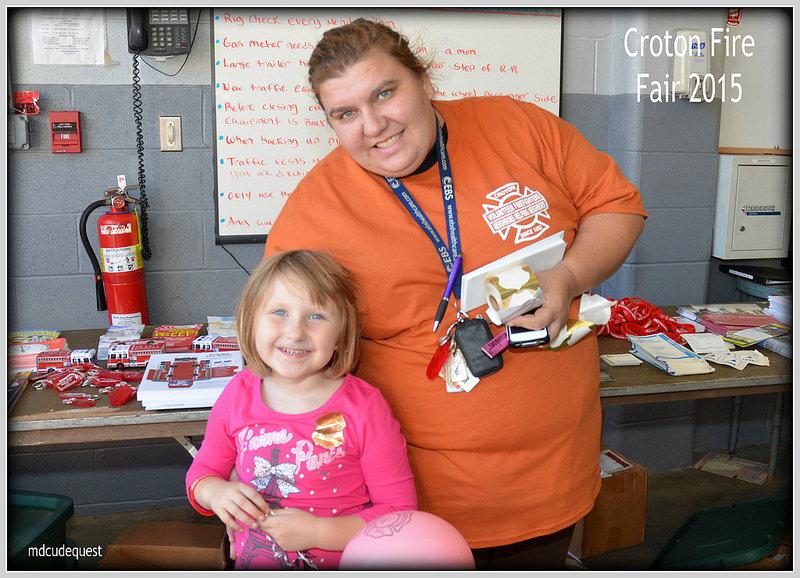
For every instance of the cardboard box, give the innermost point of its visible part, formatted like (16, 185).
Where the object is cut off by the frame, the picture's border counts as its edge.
(168, 546)
(619, 515)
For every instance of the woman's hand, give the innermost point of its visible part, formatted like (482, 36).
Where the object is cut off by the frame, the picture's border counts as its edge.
(558, 289)
(232, 501)
(293, 529)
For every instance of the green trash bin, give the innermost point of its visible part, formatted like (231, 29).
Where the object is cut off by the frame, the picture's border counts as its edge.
(37, 520)
(729, 536)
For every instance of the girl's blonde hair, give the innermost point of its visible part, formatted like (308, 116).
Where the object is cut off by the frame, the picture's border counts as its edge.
(326, 281)
(346, 45)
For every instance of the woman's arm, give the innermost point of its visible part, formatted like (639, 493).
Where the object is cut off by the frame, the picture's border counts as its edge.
(601, 245)
(295, 529)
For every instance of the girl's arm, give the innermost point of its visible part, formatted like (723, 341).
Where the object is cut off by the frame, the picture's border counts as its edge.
(230, 501)
(295, 529)
(384, 462)
(207, 484)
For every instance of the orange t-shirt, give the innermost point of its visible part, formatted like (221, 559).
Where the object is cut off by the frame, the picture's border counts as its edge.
(517, 457)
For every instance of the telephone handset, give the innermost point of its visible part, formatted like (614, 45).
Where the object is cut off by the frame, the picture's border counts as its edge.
(158, 31)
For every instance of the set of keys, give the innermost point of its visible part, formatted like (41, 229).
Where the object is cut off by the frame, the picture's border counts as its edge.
(459, 358)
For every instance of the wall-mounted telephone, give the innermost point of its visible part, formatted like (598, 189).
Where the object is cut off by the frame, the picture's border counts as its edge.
(158, 31)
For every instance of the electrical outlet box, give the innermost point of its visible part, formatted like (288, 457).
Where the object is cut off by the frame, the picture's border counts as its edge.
(754, 207)
(170, 131)
(18, 132)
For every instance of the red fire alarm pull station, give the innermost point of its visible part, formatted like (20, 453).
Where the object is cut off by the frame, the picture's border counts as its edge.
(65, 132)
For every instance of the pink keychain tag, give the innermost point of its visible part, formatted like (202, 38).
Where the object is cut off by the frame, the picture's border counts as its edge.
(496, 345)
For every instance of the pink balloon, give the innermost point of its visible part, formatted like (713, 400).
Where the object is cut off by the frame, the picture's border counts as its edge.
(410, 540)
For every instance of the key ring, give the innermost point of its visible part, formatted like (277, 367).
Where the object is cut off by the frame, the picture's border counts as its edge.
(446, 335)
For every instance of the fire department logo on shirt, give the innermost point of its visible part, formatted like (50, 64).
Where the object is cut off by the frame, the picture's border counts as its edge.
(522, 211)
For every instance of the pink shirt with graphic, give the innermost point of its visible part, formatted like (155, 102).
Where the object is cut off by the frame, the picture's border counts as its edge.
(367, 475)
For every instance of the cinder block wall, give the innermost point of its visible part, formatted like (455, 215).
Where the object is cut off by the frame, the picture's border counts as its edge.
(189, 277)
(669, 150)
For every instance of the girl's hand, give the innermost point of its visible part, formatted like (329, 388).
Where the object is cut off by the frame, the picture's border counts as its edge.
(231, 543)
(293, 529)
(231, 538)
(232, 501)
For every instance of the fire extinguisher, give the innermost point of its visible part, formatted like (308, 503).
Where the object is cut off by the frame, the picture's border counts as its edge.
(119, 284)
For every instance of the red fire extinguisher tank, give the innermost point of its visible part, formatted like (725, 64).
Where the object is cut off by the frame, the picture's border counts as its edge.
(122, 265)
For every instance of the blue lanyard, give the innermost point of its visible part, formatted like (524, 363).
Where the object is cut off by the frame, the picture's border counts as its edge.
(447, 256)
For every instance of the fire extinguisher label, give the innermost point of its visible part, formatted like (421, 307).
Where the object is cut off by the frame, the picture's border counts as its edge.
(121, 259)
(115, 229)
(126, 319)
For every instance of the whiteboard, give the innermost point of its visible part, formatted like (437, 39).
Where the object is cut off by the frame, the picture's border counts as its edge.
(269, 129)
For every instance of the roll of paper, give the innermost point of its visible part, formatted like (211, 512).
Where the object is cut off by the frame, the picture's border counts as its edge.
(511, 292)
(593, 310)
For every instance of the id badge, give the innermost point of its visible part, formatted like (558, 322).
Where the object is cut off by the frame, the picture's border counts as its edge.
(471, 335)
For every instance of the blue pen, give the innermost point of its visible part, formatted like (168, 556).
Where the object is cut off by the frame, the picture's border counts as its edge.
(451, 280)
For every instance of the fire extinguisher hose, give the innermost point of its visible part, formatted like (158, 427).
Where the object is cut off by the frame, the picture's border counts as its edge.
(98, 272)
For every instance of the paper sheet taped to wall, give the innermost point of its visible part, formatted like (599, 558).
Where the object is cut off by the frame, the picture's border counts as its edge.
(68, 37)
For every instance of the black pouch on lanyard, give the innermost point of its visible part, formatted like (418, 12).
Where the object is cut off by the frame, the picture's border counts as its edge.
(471, 335)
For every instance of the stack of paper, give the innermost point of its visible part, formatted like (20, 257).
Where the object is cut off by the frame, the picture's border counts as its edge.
(780, 307)
(667, 355)
(187, 380)
(221, 326)
(24, 346)
(715, 349)
(732, 467)
(724, 318)
(697, 311)
(178, 338)
(781, 345)
(611, 462)
(703, 343)
(620, 359)
(114, 334)
(755, 335)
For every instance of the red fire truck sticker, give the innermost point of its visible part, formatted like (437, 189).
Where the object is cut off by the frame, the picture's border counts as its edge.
(522, 211)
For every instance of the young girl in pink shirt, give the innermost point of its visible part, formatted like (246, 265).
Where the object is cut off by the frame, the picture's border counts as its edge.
(316, 450)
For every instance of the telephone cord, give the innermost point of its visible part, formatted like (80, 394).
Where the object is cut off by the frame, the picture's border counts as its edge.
(137, 116)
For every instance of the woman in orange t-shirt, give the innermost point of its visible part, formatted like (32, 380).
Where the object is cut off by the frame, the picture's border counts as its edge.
(416, 182)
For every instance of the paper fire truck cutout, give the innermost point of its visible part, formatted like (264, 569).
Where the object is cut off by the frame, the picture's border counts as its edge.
(184, 371)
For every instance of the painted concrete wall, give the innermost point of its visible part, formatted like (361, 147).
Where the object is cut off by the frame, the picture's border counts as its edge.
(669, 150)
(189, 277)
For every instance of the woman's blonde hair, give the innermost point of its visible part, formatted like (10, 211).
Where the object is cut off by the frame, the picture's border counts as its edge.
(341, 47)
(327, 281)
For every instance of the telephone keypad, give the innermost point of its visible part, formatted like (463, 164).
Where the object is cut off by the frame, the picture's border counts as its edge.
(170, 29)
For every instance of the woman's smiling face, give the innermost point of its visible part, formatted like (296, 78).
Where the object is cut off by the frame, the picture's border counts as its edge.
(382, 114)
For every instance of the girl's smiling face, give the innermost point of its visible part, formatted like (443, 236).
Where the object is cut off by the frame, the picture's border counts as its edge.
(294, 337)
